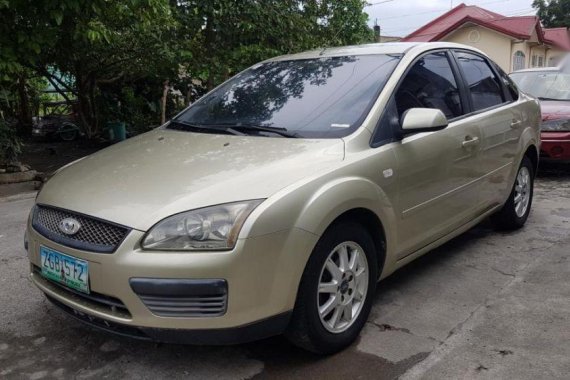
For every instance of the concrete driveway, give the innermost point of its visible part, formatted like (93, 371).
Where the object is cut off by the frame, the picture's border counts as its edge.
(486, 305)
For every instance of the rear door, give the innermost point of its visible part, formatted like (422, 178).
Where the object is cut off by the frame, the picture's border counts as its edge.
(495, 111)
(437, 170)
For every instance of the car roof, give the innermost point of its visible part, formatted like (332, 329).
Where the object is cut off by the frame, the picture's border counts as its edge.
(372, 49)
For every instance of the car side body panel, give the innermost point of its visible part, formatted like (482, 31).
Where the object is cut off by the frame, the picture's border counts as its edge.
(333, 194)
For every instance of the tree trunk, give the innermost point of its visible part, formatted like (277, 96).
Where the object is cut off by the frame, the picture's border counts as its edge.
(163, 100)
(93, 106)
(87, 107)
(209, 40)
(24, 114)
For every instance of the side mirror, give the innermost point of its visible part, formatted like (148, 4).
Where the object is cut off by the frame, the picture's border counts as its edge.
(417, 120)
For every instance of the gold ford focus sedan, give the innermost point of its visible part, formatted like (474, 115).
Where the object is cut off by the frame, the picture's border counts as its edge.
(276, 202)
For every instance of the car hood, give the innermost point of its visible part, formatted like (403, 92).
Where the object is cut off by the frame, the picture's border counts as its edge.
(140, 181)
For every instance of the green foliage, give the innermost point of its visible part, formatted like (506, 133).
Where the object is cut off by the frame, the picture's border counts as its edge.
(10, 144)
(137, 105)
(93, 41)
(120, 53)
(230, 35)
(553, 13)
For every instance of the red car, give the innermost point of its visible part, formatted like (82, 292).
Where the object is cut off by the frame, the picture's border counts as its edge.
(552, 87)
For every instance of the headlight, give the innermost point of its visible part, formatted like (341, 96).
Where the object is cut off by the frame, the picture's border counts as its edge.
(210, 228)
(555, 125)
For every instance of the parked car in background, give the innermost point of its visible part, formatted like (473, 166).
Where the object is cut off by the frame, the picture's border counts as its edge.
(58, 121)
(552, 87)
(564, 64)
(278, 200)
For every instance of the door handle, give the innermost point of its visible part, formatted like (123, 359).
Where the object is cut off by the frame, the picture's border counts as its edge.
(470, 141)
(516, 123)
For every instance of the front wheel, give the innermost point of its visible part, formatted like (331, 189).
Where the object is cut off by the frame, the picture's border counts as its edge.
(515, 212)
(336, 290)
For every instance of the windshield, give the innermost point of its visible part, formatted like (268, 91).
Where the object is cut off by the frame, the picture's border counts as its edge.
(314, 98)
(549, 85)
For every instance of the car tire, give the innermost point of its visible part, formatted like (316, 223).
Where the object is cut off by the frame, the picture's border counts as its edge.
(515, 211)
(69, 132)
(310, 328)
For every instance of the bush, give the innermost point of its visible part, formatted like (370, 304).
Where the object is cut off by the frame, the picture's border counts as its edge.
(10, 144)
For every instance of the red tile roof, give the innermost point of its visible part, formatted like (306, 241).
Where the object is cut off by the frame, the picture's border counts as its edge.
(520, 27)
(558, 37)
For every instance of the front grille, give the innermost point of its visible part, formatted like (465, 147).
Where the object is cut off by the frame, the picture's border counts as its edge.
(94, 235)
(107, 304)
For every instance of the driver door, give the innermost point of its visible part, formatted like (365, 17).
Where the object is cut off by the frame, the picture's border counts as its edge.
(437, 170)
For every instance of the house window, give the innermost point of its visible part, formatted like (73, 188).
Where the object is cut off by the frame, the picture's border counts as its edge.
(518, 61)
(534, 60)
(541, 61)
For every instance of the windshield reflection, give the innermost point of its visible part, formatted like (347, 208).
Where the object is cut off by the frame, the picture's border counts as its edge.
(323, 97)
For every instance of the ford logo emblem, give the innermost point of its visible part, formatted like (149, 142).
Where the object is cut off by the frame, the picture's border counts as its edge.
(69, 226)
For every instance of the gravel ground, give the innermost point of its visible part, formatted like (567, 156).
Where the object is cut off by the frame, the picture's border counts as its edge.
(485, 305)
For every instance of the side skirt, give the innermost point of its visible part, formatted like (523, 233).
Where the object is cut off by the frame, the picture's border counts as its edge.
(411, 257)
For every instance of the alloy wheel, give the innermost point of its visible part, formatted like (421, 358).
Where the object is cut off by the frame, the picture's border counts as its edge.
(522, 191)
(343, 285)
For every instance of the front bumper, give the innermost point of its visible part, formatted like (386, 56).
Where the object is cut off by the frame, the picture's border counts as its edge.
(262, 276)
(234, 335)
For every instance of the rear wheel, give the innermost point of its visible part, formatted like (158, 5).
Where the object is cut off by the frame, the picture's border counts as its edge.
(336, 290)
(515, 212)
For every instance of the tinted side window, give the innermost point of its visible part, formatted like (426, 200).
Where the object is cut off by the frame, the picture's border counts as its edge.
(483, 84)
(430, 83)
(512, 90)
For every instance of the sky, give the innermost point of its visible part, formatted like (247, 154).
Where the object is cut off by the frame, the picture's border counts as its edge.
(401, 17)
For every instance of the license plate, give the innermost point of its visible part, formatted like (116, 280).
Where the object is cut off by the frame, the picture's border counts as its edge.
(69, 271)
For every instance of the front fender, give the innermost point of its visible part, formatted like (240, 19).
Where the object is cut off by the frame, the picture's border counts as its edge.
(314, 204)
(341, 195)
(314, 209)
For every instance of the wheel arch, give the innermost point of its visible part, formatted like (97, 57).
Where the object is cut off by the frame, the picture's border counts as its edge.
(355, 199)
(373, 225)
(533, 155)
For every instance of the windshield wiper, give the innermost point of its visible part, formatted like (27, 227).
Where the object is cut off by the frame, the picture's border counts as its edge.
(185, 126)
(234, 129)
(262, 128)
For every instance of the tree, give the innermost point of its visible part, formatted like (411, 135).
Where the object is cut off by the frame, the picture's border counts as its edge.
(137, 51)
(95, 42)
(230, 35)
(553, 13)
